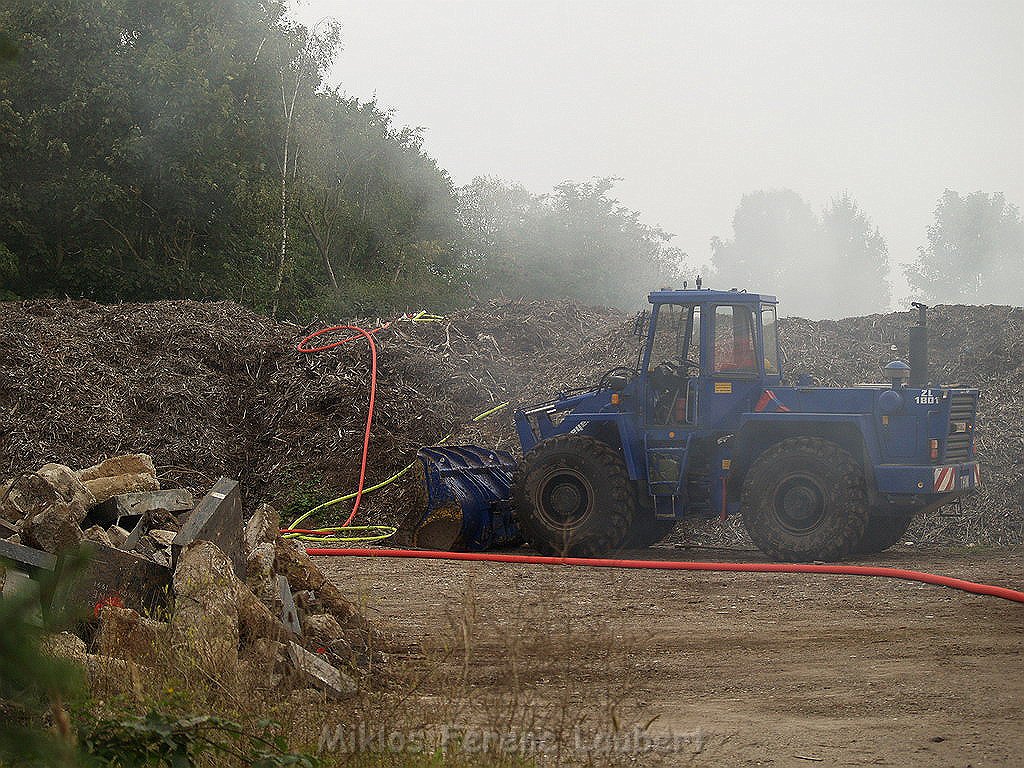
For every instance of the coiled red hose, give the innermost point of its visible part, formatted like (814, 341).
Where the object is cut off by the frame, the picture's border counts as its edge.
(672, 565)
(368, 335)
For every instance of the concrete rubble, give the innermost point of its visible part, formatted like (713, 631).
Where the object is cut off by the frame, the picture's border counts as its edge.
(170, 577)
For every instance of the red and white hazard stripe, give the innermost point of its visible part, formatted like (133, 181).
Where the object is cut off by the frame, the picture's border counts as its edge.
(770, 398)
(945, 479)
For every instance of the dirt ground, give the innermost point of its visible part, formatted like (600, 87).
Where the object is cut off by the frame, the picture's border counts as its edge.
(773, 670)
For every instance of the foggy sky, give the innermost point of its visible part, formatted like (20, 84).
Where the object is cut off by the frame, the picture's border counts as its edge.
(696, 103)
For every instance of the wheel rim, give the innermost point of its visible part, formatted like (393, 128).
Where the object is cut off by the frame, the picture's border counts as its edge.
(799, 503)
(565, 498)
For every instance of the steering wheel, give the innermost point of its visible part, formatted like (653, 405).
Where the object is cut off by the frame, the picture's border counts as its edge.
(672, 368)
(665, 372)
(602, 383)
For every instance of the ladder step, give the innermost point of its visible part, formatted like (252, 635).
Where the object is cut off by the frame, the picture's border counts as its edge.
(667, 463)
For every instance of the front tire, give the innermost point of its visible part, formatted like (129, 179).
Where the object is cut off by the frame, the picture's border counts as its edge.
(805, 499)
(574, 497)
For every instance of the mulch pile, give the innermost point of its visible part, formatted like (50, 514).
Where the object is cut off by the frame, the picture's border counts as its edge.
(980, 347)
(212, 388)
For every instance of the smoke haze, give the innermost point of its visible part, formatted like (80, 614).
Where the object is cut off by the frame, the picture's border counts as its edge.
(695, 105)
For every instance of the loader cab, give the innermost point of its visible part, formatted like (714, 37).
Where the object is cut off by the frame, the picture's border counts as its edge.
(708, 357)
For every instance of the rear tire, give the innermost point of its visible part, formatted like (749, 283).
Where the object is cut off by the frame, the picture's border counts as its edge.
(574, 497)
(804, 499)
(884, 528)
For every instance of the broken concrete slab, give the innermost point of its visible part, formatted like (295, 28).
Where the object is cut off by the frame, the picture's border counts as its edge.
(217, 518)
(29, 557)
(259, 574)
(26, 495)
(324, 631)
(19, 584)
(118, 536)
(204, 624)
(66, 482)
(104, 488)
(113, 576)
(161, 537)
(171, 500)
(323, 627)
(327, 678)
(255, 620)
(262, 528)
(126, 634)
(303, 574)
(132, 539)
(16, 582)
(113, 677)
(98, 534)
(64, 645)
(128, 464)
(56, 528)
(289, 613)
(265, 655)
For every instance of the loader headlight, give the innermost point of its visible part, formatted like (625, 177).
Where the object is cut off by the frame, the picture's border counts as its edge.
(898, 373)
(889, 402)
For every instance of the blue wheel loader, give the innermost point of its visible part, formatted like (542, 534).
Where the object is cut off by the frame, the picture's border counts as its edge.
(702, 425)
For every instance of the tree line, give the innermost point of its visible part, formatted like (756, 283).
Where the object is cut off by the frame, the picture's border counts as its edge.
(188, 149)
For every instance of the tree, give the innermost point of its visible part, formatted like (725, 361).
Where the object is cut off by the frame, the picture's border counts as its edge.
(835, 265)
(378, 214)
(134, 147)
(855, 275)
(975, 252)
(577, 241)
(299, 71)
(776, 243)
(188, 149)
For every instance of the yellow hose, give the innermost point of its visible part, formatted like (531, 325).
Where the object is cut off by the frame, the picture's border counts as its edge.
(384, 531)
(379, 532)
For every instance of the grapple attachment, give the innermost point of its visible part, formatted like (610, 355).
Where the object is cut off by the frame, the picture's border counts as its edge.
(468, 499)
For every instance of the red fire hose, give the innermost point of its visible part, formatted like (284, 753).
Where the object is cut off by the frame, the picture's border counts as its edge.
(663, 565)
(671, 565)
(305, 349)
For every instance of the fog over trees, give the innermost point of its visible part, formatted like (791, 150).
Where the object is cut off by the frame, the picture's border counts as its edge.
(189, 149)
(974, 253)
(832, 264)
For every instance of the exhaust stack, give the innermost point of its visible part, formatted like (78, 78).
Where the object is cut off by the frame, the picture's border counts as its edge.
(918, 337)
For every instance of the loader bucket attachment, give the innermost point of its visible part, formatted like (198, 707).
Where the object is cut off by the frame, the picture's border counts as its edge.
(468, 505)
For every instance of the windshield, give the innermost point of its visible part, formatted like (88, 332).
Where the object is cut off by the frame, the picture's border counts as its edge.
(676, 335)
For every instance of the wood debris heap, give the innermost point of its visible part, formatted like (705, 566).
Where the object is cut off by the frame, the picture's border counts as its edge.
(212, 389)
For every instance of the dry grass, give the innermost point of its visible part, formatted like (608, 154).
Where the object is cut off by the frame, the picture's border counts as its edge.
(488, 682)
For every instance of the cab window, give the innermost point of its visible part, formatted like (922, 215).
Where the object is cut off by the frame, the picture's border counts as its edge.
(734, 339)
(676, 335)
(770, 330)
(667, 329)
